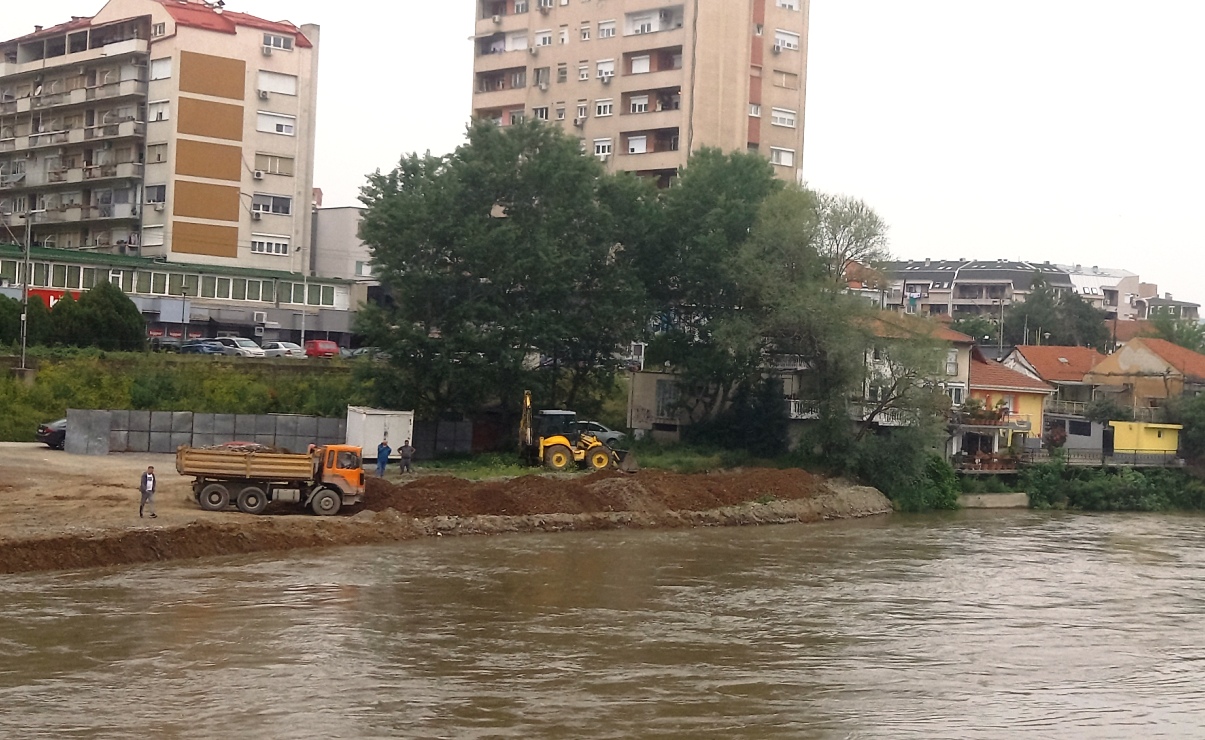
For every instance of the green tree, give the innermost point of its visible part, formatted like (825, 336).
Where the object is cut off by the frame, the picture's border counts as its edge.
(1048, 317)
(508, 268)
(70, 325)
(850, 231)
(980, 328)
(1183, 332)
(10, 320)
(112, 320)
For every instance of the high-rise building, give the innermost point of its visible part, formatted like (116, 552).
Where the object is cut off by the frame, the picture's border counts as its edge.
(167, 146)
(646, 82)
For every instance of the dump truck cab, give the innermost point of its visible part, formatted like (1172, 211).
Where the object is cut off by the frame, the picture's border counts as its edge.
(340, 466)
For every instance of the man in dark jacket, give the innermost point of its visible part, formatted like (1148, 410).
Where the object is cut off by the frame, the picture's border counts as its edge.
(146, 487)
(407, 453)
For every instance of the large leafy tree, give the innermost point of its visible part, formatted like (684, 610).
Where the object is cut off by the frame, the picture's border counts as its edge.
(1048, 317)
(114, 320)
(1184, 332)
(510, 264)
(849, 231)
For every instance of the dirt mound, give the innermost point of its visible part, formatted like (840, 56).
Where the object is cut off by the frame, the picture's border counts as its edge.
(651, 490)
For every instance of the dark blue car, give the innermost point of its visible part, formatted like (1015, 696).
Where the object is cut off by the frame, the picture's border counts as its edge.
(53, 434)
(201, 347)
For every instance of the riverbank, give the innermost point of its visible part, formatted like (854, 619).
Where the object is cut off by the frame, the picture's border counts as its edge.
(66, 512)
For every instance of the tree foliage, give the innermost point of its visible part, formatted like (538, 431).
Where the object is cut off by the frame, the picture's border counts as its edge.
(850, 231)
(1183, 332)
(1061, 319)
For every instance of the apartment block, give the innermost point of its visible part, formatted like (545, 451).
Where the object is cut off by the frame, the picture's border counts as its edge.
(644, 83)
(962, 288)
(171, 131)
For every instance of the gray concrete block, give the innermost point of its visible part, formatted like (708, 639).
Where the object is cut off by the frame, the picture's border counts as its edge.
(202, 423)
(138, 442)
(307, 426)
(204, 440)
(328, 431)
(223, 425)
(161, 442)
(76, 441)
(161, 421)
(244, 427)
(265, 439)
(139, 421)
(119, 441)
(181, 422)
(286, 426)
(180, 439)
(119, 420)
(265, 424)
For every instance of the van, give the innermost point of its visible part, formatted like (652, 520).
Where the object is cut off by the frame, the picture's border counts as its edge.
(321, 348)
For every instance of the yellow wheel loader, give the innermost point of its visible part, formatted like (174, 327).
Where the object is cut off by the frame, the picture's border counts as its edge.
(552, 439)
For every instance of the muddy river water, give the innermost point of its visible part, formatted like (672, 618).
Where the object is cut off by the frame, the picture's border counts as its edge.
(972, 625)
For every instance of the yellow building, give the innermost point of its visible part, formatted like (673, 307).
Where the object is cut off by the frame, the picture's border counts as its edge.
(1012, 404)
(1138, 438)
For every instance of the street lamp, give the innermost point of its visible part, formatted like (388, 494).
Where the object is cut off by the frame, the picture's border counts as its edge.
(305, 294)
(186, 310)
(25, 278)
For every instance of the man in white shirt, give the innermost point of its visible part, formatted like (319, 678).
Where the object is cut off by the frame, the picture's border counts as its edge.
(147, 488)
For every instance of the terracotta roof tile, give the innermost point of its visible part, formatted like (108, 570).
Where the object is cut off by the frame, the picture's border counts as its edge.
(995, 376)
(1124, 331)
(1066, 364)
(1191, 364)
(199, 15)
(891, 325)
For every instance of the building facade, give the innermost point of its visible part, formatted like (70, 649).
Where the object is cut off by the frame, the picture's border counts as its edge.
(170, 131)
(646, 82)
(962, 288)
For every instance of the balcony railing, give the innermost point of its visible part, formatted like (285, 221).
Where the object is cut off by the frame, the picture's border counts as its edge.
(1013, 422)
(1071, 408)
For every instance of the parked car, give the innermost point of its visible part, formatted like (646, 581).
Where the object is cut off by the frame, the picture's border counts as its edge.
(201, 347)
(239, 347)
(53, 434)
(283, 349)
(606, 435)
(321, 348)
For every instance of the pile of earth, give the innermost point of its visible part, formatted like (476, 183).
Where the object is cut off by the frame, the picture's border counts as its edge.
(607, 491)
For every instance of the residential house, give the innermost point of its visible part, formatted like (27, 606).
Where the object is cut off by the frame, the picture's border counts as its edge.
(1063, 368)
(1006, 411)
(1146, 372)
(962, 288)
(1107, 289)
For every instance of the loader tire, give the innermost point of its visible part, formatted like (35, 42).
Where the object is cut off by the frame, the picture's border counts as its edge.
(599, 458)
(214, 497)
(558, 457)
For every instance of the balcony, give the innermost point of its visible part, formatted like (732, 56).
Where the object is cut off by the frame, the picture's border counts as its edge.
(110, 212)
(129, 47)
(649, 161)
(1011, 422)
(1070, 408)
(114, 90)
(663, 119)
(123, 130)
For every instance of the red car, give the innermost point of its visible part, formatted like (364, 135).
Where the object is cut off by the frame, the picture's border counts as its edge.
(321, 348)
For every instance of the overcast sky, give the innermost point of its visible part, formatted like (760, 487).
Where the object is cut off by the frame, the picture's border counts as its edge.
(1063, 130)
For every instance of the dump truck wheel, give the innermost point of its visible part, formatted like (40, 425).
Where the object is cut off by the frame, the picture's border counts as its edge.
(326, 503)
(214, 497)
(252, 500)
(558, 457)
(599, 458)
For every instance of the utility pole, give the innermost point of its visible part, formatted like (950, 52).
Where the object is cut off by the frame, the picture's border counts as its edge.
(25, 278)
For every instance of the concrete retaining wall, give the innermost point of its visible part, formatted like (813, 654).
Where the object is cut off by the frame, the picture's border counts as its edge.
(102, 432)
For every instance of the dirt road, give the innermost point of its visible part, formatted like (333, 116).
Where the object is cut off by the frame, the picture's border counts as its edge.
(60, 511)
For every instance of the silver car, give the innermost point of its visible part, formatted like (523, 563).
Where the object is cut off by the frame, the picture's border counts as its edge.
(283, 349)
(607, 436)
(239, 347)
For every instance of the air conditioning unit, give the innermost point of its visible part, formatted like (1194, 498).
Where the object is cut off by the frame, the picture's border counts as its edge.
(603, 157)
(256, 215)
(159, 207)
(579, 122)
(533, 50)
(267, 51)
(259, 317)
(777, 49)
(543, 87)
(259, 331)
(263, 94)
(544, 9)
(606, 79)
(258, 174)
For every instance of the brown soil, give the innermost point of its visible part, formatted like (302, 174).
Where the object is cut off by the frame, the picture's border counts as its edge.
(64, 512)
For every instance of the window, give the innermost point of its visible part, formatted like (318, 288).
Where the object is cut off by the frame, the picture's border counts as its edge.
(73, 276)
(582, 110)
(562, 72)
(952, 362)
(161, 69)
(603, 107)
(639, 104)
(516, 117)
(267, 244)
(209, 286)
(238, 289)
(156, 153)
(564, 34)
(516, 41)
(583, 72)
(156, 193)
(787, 80)
(159, 29)
(606, 69)
(159, 283)
(520, 6)
(956, 394)
(518, 79)
(1079, 428)
(640, 64)
(602, 147)
(158, 111)
(637, 144)
(786, 40)
(274, 82)
(784, 157)
(544, 38)
(274, 164)
(560, 112)
(782, 117)
(788, 4)
(279, 204)
(755, 110)
(328, 295)
(543, 75)
(277, 41)
(58, 276)
(606, 29)
(152, 236)
(275, 123)
(253, 290)
(540, 114)
(586, 33)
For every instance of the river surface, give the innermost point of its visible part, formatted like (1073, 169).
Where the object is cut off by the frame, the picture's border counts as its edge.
(971, 625)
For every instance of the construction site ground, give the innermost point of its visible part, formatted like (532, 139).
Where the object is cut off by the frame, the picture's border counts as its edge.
(60, 511)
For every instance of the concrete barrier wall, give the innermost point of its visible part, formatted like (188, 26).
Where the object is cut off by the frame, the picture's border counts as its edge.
(102, 432)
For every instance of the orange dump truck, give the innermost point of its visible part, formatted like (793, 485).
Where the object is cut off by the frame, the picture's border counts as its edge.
(324, 480)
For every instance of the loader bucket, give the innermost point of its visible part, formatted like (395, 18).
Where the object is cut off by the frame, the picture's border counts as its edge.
(625, 461)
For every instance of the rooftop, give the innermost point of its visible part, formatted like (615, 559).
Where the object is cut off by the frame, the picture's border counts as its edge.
(1189, 363)
(1066, 364)
(987, 375)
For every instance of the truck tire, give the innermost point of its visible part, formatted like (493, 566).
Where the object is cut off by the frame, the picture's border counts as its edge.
(252, 500)
(214, 497)
(599, 458)
(557, 457)
(326, 502)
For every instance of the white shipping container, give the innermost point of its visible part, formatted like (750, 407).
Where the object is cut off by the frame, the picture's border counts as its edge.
(366, 427)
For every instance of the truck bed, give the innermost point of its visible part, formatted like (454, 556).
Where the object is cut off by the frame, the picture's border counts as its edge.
(232, 464)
